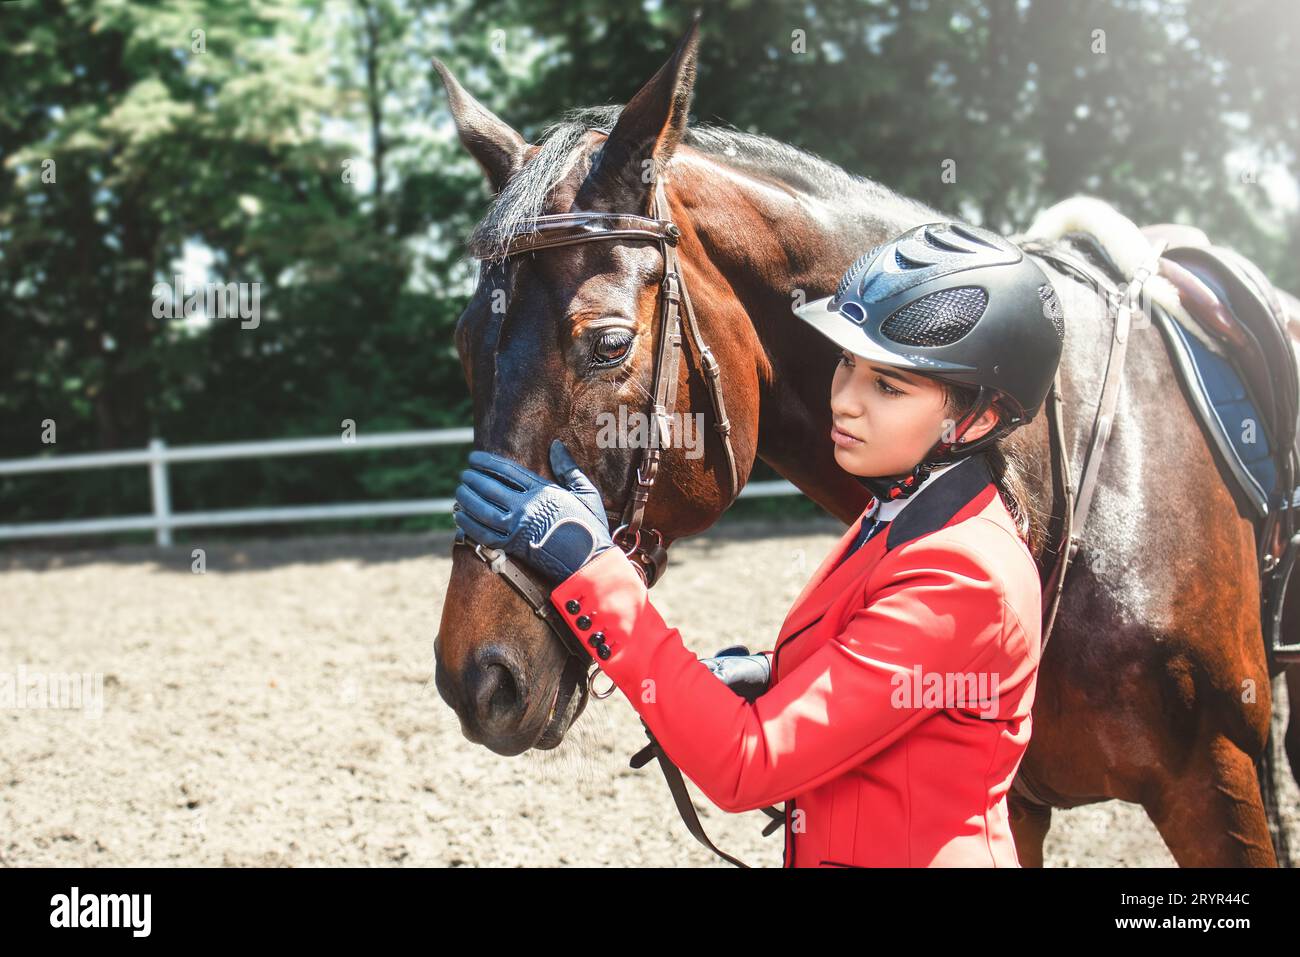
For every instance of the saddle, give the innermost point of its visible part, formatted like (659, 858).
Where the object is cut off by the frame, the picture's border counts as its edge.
(1235, 305)
(1238, 368)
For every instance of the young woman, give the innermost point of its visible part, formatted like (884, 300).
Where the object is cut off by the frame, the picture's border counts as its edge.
(894, 710)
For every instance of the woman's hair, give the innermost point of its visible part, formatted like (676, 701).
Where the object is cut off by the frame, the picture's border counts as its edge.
(1006, 466)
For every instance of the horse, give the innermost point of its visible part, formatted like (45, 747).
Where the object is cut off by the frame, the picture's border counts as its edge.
(1158, 627)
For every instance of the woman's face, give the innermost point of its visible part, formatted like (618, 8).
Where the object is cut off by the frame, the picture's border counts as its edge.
(885, 419)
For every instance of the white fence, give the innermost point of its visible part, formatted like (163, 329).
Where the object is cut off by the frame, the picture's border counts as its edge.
(158, 456)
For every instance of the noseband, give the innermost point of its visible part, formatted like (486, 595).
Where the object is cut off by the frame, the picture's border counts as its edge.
(643, 546)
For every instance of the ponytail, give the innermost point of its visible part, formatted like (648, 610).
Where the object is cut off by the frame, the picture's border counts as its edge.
(1007, 467)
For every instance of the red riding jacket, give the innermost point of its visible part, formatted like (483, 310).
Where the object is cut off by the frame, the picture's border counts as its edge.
(899, 703)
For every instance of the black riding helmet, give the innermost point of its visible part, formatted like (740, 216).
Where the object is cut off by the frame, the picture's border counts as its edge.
(958, 303)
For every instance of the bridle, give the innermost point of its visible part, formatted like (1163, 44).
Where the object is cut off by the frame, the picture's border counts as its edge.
(644, 546)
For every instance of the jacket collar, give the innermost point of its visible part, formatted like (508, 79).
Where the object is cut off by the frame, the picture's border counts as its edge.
(888, 511)
(949, 494)
(930, 508)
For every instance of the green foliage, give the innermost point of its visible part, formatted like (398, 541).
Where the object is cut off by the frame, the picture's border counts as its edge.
(307, 146)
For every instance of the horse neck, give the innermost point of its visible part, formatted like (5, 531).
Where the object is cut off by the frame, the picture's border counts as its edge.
(771, 243)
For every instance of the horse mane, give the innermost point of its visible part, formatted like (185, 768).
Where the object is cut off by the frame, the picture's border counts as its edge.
(528, 191)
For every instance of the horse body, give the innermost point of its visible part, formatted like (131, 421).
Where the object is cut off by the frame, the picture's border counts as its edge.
(1156, 690)
(1157, 685)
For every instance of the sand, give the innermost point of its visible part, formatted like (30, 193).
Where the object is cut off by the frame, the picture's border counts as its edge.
(279, 709)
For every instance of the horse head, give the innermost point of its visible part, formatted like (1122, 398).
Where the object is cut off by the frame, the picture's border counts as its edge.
(561, 342)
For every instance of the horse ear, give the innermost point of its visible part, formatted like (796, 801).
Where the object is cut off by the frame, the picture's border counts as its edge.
(651, 125)
(488, 138)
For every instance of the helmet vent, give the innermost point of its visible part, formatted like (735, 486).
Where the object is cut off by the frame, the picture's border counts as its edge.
(937, 319)
(919, 255)
(1052, 309)
(847, 279)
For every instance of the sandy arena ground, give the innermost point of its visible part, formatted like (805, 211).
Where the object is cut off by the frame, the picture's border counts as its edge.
(279, 709)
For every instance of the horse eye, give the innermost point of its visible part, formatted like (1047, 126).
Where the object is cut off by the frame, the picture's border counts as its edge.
(611, 348)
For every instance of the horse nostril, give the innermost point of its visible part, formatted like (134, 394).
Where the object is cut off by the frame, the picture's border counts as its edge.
(496, 697)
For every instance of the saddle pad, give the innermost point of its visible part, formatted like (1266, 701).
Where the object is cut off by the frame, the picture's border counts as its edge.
(1226, 412)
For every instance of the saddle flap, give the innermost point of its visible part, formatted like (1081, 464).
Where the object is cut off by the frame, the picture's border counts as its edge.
(1269, 366)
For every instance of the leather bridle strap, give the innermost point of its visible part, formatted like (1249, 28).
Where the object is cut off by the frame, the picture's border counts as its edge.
(555, 230)
(673, 296)
(568, 229)
(532, 593)
(682, 798)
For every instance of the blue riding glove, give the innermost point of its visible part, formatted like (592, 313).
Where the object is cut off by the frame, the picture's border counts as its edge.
(743, 673)
(554, 529)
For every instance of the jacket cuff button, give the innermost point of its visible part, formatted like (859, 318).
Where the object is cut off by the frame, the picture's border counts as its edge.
(597, 639)
(572, 606)
(583, 622)
(603, 652)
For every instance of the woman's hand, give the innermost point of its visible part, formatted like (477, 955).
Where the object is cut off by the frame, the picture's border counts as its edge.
(554, 529)
(747, 675)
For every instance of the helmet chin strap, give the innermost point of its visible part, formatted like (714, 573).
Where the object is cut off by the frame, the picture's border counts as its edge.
(892, 487)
